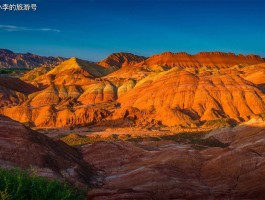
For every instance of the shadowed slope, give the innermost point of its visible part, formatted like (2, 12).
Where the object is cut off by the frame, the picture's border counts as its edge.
(22, 147)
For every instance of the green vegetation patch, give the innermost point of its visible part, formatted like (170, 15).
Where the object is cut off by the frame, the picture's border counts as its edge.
(13, 70)
(78, 140)
(196, 139)
(16, 184)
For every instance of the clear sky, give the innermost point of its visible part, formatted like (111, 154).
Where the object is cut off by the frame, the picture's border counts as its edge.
(92, 29)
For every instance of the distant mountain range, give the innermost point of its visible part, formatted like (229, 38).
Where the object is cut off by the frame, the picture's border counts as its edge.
(9, 59)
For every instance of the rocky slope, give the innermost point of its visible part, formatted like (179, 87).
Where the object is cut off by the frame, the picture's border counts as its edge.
(162, 170)
(9, 59)
(22, 147)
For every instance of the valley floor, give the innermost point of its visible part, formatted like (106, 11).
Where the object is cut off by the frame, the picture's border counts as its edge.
(227, 163)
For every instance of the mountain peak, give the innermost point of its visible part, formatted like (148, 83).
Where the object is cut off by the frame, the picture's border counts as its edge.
(71, 63)
(118, 60)
(74, 64)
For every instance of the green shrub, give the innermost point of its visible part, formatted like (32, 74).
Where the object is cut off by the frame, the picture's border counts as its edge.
(75, 139)
(12, 70)
(16, 184)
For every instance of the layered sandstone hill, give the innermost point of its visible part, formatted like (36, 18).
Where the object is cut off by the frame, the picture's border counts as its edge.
(22, 147)
(167, 89)
(178, 95)
(9, 59)
(163, 170)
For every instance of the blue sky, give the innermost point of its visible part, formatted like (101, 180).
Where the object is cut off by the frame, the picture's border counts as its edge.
(92, 29)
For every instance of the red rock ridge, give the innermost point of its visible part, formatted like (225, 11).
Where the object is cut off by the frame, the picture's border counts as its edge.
(209, 59)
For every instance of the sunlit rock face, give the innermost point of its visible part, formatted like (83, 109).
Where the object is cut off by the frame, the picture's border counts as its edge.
(186, 96)
(169, 89)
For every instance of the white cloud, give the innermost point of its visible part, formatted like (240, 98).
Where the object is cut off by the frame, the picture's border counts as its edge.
(11, 28)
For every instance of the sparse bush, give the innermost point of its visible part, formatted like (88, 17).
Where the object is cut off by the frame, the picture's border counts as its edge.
(16, 184)
(217, 123)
